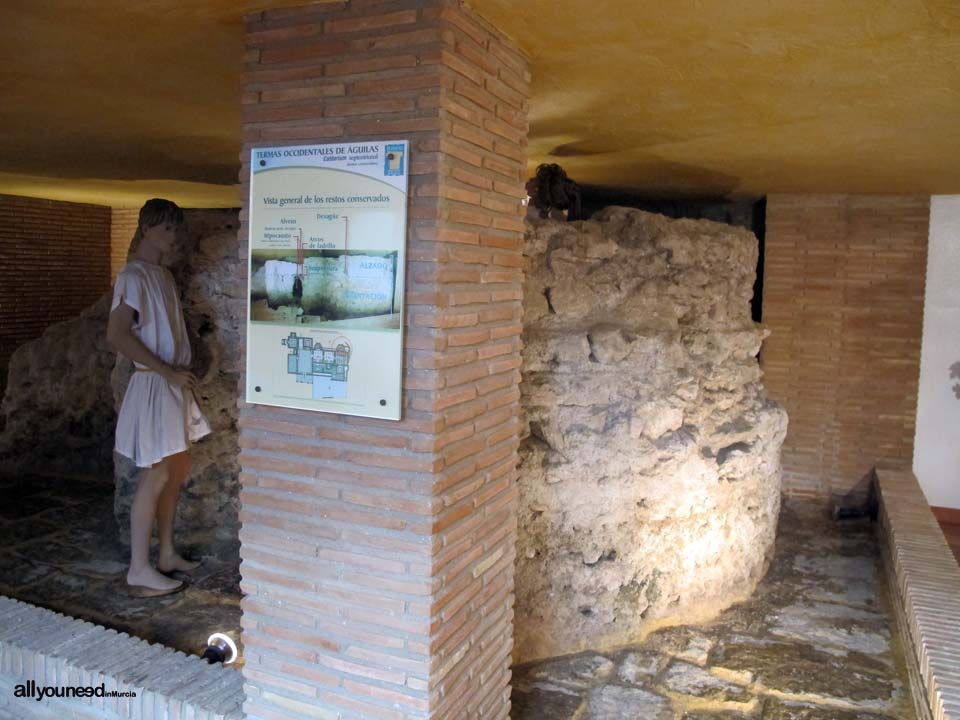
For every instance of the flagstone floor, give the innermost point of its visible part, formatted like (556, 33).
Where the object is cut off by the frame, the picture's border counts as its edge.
(815, 642)
(59, 549)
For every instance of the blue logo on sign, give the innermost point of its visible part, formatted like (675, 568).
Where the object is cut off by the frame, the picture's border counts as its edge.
(393, 160)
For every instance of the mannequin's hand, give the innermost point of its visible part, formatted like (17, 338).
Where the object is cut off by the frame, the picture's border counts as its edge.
(179, 378)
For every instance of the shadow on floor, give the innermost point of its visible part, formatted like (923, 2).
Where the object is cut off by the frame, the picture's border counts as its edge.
(59, 550)
(815, 642)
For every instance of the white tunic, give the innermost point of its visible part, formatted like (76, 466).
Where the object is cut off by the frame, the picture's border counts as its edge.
(156, 419)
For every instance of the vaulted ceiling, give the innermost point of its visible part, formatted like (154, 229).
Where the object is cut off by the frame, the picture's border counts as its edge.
(110, 101)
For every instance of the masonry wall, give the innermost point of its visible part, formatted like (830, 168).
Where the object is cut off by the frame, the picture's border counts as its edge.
(377, 556)
(843, 297)
(123, 224)
(54, 262)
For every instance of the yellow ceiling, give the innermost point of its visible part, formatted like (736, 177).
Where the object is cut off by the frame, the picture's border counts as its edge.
(113, 101)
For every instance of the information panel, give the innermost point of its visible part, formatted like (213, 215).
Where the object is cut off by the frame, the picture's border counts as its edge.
(327, 240)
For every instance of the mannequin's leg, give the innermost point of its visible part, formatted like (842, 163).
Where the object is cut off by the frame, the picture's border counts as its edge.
(145, 500)
(169, 560)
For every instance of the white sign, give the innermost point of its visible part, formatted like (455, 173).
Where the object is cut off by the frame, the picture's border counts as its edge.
(327, 255)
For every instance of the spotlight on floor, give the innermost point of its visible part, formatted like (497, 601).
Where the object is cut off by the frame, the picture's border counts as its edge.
(220, 649)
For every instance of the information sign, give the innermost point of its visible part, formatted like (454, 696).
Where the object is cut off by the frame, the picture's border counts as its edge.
(327, 240)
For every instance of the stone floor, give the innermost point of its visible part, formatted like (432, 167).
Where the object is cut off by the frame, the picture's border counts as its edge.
(59, 549)
(816, 642)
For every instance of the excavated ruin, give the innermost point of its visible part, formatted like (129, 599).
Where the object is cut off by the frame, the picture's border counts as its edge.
(650, 467)
(64, 388)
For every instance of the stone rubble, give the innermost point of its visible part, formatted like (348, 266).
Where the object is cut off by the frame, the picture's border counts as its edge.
(58, 407)
(650, 466)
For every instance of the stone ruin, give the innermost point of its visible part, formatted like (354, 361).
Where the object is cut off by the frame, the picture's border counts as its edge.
(65, 387)
(649, 484)
(650, 467)
(58, 416)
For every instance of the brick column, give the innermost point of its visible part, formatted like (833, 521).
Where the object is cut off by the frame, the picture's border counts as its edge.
(378, 556)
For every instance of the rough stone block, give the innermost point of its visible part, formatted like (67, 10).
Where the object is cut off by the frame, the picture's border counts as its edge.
(650, 459)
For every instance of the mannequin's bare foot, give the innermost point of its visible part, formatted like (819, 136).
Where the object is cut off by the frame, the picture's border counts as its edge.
(176, 563)
(150, 583)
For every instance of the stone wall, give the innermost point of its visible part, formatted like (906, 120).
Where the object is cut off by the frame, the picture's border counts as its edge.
(60, 408)
(208, 271)
(650, 469)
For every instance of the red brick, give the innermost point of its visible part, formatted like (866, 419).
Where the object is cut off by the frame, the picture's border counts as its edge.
(462, 151)
(468, 337)
(473, 136)
(298, 53)
(469, 255)
(459, 194)
(462, 67)
(358, 437)
(303, 93)
(463, 413)
(370, 107)
(278, 426)
(313, 674)
(370, 22)
(378, 712)
(457, 236)
(268, 36)
(384, 86)
(280, 465)
(412, 463)
(473, 118)
(250, 515)
(466, 25)
(475, 93)
(470, 217)
(405, 40)
(446, 319)
(317, 132)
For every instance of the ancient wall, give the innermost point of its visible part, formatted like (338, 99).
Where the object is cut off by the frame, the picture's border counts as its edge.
(843, 297)
(650, 475)
(57, 411)
(60, 408)
(54, 261)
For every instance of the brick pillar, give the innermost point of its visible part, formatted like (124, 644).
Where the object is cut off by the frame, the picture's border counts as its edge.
(378, 556)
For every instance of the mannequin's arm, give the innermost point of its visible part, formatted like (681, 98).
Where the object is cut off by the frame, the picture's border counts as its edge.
(122, 340)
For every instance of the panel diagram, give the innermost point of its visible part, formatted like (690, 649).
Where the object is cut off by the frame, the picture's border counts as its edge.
(323, 368)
